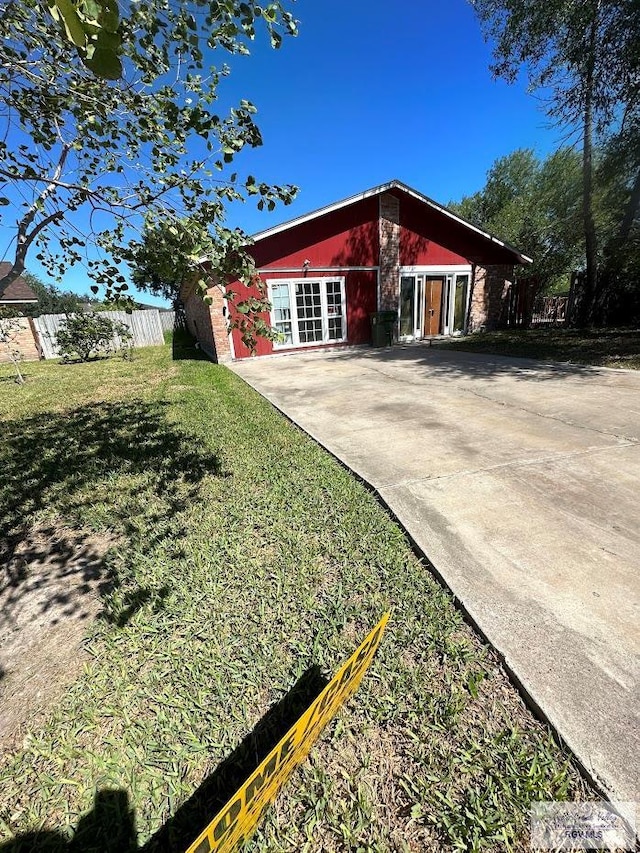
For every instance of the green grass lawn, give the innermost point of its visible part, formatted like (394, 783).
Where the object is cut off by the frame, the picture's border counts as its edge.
(244, 558)
(600, 347)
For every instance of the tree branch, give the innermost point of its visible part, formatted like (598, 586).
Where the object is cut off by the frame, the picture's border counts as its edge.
(26, 237)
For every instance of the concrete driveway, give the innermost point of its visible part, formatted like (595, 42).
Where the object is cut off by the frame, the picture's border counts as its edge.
(520, 481)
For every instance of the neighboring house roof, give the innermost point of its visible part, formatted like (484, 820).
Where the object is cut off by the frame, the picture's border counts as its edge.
(18, 291)
(519, 257)
(147, 306)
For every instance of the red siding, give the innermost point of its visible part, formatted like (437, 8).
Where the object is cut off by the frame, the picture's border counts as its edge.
(350, 237)
(347, 237)
(417, 251)
(263, 346)
(428, 236)
(361, 294)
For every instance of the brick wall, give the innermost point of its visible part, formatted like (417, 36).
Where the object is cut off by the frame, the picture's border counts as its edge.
(218, 314)
(389, 252)
(207, 323)
(24, 340)
(489, 296)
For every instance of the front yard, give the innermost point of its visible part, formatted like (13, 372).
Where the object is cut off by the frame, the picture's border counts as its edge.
(241, 558)
(599, 347)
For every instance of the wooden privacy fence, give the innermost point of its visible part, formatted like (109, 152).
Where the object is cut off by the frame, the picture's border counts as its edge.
(520, 302)
(173, 321)
(167, 320)
(550, 310)
(145, 327)
(526, 308)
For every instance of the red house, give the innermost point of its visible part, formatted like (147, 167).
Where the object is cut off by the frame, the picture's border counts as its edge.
(389, 248)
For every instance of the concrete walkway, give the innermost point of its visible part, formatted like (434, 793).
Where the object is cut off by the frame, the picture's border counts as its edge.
(520, 481)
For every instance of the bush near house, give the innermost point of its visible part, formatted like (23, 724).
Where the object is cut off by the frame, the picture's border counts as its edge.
(242, 557)
(86, 336)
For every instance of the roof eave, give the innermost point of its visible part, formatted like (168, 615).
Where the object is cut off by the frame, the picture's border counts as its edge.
(323, 211)
(525, 259)
(381, 188)
(390, 185)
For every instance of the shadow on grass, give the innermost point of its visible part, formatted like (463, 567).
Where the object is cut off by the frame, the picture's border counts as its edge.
(123, 463)
(110, 826)
(13, 379)
(183, 347)
(49, 574)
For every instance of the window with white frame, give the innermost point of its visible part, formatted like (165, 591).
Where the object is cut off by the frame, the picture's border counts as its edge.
(308, 311)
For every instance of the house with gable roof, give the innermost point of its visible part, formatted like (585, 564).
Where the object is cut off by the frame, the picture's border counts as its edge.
(389, 248)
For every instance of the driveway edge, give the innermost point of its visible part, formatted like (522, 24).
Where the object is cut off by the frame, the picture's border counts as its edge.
(529, 699)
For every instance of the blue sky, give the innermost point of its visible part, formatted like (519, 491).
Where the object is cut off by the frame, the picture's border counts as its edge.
(369, 92)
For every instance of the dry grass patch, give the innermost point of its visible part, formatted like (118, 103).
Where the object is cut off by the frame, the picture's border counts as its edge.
(50, 591)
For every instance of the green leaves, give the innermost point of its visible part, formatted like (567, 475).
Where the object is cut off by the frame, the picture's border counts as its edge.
(86, 336)
(105, 63)
(92, 26)
(536, 206)
(585, 58)
(122, 151)
(66, 12)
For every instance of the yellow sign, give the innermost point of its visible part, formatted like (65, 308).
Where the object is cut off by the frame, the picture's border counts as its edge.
(237, 820)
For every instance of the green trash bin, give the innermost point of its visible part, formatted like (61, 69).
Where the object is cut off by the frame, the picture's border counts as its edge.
(383, 328)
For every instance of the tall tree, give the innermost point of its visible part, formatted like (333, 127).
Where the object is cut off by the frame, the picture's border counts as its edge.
(83, 161)
(536, 206)
(585, 57)
(163, 259)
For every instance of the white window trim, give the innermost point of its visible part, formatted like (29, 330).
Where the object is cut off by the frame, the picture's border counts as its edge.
(227, 315)
(267, 270)
(436, 268)
(463, 331)
(324, 315)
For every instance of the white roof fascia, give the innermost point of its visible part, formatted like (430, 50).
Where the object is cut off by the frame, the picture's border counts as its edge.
(390, 185)
(322, 211)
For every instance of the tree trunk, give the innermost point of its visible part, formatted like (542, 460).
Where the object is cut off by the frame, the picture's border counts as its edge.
(586, 309)
(24, 237)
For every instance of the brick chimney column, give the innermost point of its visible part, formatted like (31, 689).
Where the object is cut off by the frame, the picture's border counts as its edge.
(389, 224)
